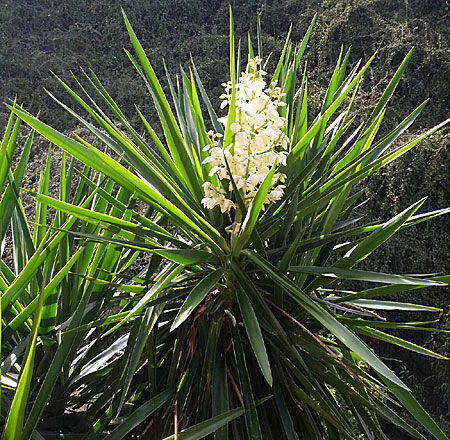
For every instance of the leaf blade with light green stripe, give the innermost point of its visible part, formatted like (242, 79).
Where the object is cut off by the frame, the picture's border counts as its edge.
(364, 275)
(382, 336)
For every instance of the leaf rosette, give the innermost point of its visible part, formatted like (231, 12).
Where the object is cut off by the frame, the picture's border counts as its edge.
(249, 303)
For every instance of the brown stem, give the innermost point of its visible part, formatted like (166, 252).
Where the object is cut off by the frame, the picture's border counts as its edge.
(235, 387)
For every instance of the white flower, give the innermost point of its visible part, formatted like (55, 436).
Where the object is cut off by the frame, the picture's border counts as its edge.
(259, 141)
(214, 170)
(241, 138)
(227, 205)
(215, 197)
(235, 127)
(216, 153)
(223, 120)
(276, 194)
(222, 174)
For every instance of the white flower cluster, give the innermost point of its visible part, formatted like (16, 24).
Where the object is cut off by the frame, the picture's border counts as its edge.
(258, 143)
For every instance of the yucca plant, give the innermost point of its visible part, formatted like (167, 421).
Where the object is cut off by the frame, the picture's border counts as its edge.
(241, 325)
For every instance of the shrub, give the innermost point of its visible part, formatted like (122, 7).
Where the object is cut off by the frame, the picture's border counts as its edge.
(241, 323)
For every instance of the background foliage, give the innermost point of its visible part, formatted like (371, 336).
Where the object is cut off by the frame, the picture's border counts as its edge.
(63, 35)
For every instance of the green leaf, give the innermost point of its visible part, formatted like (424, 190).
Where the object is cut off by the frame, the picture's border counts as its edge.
(228, 134)
(382, 336)
(212, 114)
(254, 333)
(196, 296)
(13, 429)
(277, 70)
(140, 415)
(363, 275)
(35, 262)
(383, 101)
(186, 257)
(41, 207)
(7, 201)
(7, 147)
(220, 392)
(378, 237)
(149, 320)
(392, 305)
